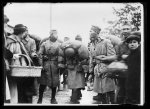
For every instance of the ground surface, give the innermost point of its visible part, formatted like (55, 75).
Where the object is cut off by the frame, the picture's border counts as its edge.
(63, 97)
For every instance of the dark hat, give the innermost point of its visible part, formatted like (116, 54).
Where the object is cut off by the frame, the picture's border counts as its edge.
(96, 29)
(6, 19)
(78, 37)
(19, 28)
(133, 37)
(137, 33)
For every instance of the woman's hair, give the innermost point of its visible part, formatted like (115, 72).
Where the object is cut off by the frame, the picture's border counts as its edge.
(19, 29)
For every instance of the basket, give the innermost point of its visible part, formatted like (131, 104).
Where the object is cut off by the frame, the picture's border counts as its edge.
(25, 71)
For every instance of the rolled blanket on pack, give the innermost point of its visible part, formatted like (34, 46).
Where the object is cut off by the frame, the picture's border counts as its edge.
(83, 52)
(71, 48)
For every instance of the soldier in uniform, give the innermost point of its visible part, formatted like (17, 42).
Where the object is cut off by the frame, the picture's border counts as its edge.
(122, 52)
(48, 53)
(105, 87)
(84, 64)
(76, 76)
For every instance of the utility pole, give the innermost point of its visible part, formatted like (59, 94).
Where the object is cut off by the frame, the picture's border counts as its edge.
(50, 16)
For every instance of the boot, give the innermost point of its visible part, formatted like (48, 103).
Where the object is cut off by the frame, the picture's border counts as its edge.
(53, 101)
(74, 102)
(79, 94)
(98, 97)
(41, 91)
(74, 99)
(95, 97)
(40, 100)
(29, 99)
(104, 98)
(120, 100)
(112, 97)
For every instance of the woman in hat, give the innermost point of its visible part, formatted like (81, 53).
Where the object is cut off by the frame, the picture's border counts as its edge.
(18, 86)
(134, 68)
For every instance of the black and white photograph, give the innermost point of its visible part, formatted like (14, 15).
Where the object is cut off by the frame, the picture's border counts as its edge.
(64, 54)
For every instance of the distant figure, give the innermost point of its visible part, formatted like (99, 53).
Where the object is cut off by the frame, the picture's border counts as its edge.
(66, 39)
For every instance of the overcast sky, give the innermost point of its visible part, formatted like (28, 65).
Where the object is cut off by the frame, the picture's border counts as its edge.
(69, 19)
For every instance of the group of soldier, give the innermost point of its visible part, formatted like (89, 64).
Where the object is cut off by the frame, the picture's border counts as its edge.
(46, 53)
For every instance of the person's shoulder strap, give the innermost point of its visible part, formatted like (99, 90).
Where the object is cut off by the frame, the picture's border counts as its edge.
(24, 51)
(10, 39)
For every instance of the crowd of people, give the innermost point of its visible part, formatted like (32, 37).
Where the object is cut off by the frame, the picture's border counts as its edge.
(77, 72)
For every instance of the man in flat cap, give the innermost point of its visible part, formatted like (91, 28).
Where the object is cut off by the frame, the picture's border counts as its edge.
(100, 48)
(134, 69)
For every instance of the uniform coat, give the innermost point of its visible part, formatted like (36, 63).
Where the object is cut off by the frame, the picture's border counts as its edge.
(103, 47)
(75, 79)
(50, 73)
(76, 74)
